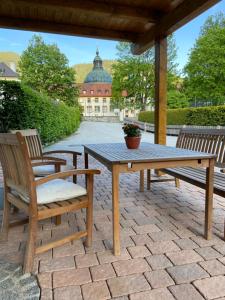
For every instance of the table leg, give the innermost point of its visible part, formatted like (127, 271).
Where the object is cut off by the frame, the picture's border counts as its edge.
(116, 209)
(142, 180)
(209, 199)
(86, 165)
(148, 179)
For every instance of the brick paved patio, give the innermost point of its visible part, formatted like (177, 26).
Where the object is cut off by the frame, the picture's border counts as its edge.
(164, 255)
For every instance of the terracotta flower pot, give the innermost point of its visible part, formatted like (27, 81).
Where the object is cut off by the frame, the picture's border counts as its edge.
(132, 142)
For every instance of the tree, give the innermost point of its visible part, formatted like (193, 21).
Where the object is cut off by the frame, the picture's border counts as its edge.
(46, 69)
(205, 69)
(177, 99)
(136, 76)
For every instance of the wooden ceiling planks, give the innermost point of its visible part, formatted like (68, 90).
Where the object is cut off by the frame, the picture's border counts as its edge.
(136, 21)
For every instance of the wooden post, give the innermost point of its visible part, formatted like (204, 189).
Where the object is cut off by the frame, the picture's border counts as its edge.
(160, 90)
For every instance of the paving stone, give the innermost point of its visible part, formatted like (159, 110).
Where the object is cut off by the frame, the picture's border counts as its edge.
(108, 257)
(86, 260)
(143, 229)
(202, 242)
(139, 251)
(213, 267)
(159, 279)
(121, 286)
(208, 253)
(184, 257)
(185, 291)
(69, 249)
(132, 266)
(184, 233)
(162, 247)
(186, 244)
(220, 248)
(141, 239)
(46, 294)
(45, 280)
(125, 241)
(163, 236)
(102, 272)
(71, 277)
(96, 291)
(156, 294)
(187, 273)
(158, 261)
(211, 288)
(56, 264)
(68, 292)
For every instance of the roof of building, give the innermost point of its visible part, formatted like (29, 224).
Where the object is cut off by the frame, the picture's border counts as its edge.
(5, 71)
(98, 74)
(95, 89)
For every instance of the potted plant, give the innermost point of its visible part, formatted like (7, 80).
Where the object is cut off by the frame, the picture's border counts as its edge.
(133, 135)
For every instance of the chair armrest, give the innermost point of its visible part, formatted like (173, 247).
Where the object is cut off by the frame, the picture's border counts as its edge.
(62, 151)
(65, 174)
(46, 163)
(49, 158)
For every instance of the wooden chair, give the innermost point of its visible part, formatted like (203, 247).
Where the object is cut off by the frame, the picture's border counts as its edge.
(46, 197)
(36, 152)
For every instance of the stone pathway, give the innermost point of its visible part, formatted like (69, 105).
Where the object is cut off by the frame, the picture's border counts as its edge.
(164, 255)
(16, 286)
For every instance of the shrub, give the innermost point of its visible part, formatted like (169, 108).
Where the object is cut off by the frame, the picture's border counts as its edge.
(203, 116)
(21, 108)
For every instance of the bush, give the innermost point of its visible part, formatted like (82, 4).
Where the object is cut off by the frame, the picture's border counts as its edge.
(21, 108)
(202, 116)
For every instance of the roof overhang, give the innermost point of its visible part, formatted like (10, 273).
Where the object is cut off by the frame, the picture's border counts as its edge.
(140, 22)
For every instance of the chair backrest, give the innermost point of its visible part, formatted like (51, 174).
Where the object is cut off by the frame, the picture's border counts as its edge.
(204, 140)
(16, 163)
(33, 141)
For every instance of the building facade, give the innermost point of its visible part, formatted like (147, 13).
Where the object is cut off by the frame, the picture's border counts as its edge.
(8, 73)
(95, 95)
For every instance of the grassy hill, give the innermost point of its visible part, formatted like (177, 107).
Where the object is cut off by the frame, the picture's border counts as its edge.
(83, 69)
(8, 57)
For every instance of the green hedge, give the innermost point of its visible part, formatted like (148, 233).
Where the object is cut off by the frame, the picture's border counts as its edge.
(21, 108)
(203, 116)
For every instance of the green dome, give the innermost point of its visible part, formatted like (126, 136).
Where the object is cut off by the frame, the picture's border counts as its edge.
(98, 74)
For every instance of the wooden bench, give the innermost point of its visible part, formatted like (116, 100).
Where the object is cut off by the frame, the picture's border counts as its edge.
(202, 140)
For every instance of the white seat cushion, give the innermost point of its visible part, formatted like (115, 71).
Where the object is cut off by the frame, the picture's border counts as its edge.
(57, 190)
(50, 169)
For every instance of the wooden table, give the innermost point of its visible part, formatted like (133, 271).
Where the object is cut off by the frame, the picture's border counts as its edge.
(118, 159)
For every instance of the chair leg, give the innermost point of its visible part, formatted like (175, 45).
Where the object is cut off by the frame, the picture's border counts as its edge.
(58, 220)
(148, 179)
(177, 182)
(5, 221)
(89, 211)
(30, 247)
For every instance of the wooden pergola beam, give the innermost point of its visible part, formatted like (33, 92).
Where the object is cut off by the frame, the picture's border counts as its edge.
(67, 29)
(181, 15)
(105, 8)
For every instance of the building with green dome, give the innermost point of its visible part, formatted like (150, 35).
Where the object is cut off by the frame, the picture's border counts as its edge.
(95, 95)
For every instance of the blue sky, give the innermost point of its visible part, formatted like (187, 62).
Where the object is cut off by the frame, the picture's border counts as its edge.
(82, 50)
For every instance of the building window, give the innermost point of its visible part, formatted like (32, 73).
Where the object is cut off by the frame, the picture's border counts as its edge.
(97, 109)
(106, 92)
(89, 109)
(104, 100)
(96, 100)
(84, 92)
(104, 109)
(92, 92)
(99, 91)
(89, 100)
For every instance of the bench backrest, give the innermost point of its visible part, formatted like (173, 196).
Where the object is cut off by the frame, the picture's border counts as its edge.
(204, 140)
